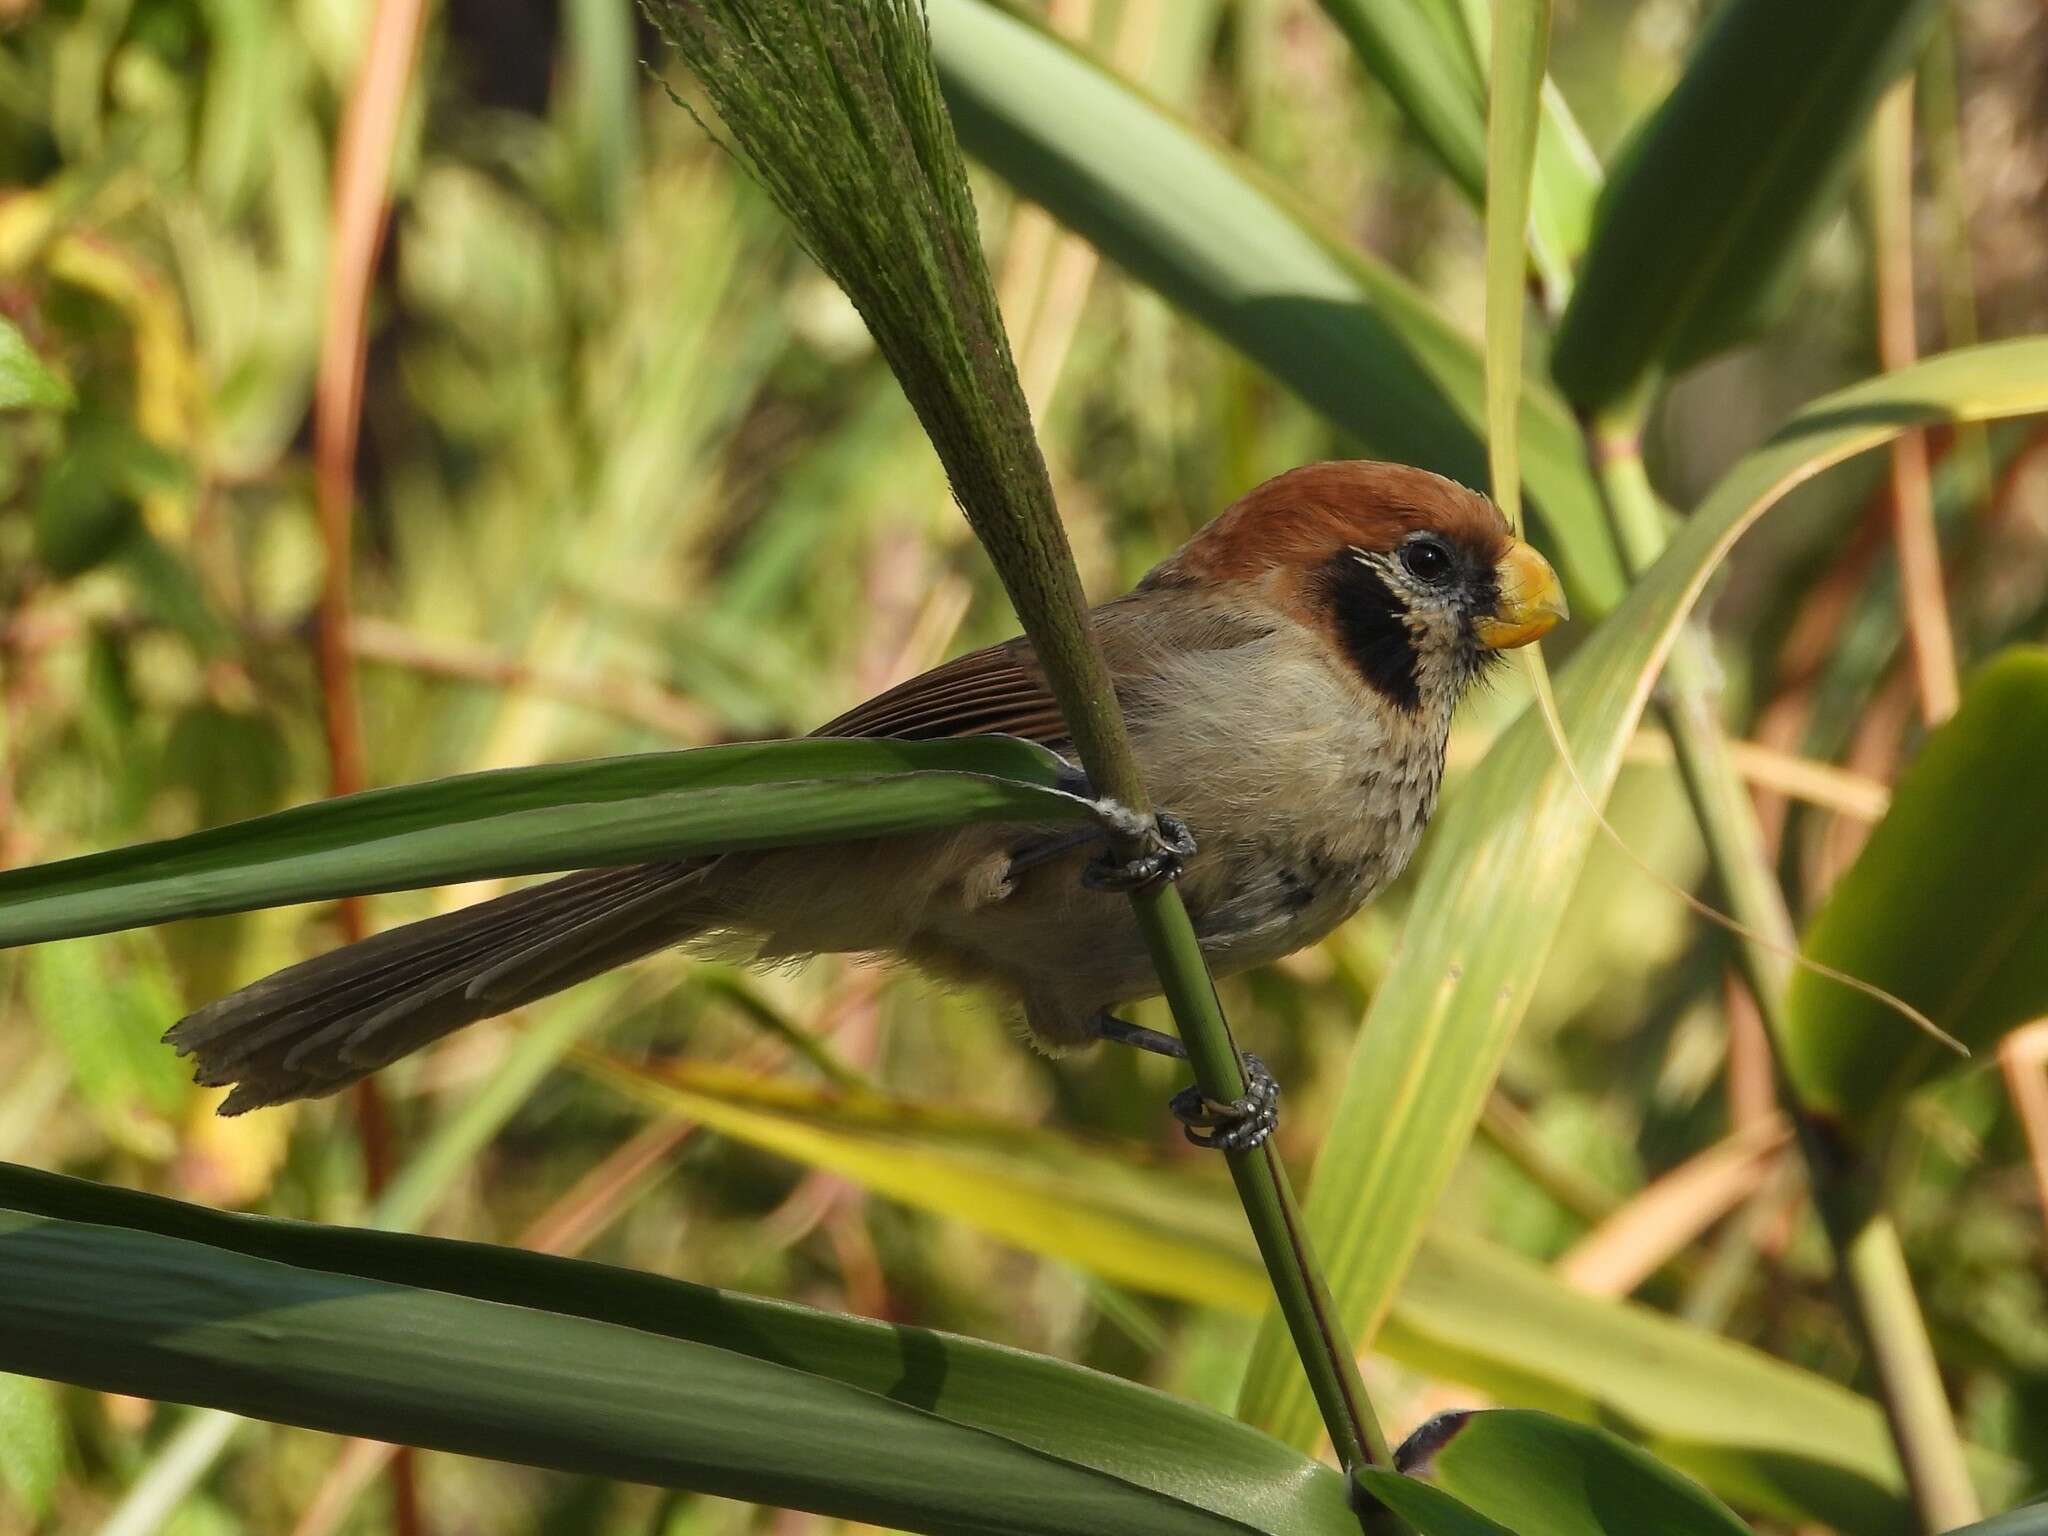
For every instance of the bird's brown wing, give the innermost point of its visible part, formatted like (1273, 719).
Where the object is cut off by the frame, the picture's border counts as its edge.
(1002, 690)
(995, 692)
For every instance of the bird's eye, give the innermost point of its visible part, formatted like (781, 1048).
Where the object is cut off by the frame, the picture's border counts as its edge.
(1427, 560)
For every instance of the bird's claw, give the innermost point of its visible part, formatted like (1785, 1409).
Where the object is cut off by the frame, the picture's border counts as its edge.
(1236, 1126)
(1172, 846)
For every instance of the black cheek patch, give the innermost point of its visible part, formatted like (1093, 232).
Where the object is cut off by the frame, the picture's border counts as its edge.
(1372, 627)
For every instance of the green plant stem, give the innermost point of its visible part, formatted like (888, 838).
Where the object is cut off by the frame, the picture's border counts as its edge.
(1870, 1263)
(1268, 1198)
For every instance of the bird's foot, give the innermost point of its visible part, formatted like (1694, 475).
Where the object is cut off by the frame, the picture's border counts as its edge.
(1238, 1125)
(1172, 845)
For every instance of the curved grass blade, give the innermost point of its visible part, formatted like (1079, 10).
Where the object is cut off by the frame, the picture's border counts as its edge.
(514, 1355)
(181, 1462)
(1765, 1435)
(1427, 1507)
(1756, 1430)
(1507, 848)
(526, 821)
(1555, 1478)
(1212, 235)
(1717, 197)
(1151, 1227)
(1947, 906)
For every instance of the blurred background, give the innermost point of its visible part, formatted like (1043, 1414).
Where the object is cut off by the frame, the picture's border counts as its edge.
(631, 476)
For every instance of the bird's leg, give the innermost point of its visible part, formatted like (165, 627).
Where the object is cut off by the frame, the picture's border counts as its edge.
(1172, 845)
(1236, 1125)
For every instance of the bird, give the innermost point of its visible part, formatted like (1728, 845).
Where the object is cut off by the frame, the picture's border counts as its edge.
(1287, 679)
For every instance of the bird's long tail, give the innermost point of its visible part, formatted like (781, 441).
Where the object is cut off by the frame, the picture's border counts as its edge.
(318, 1026)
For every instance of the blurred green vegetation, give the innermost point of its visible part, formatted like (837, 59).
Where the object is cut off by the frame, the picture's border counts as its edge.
(632, 477)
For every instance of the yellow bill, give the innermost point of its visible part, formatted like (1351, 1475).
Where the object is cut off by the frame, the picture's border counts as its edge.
(1531, 601)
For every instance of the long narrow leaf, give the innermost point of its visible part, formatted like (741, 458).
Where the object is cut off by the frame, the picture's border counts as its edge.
(1763, 1434)
(518, 1356)
(1555, 1478)
(1759, 1432)
(1947, 906)
(1427, 1507)
(1725, 184)
(524, 821)
(1115, 1214)
(1220, 241)
(1505, 852)
(1521, 44)
(1422, 52)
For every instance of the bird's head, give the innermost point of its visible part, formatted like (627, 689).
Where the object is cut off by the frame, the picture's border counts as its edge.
(1414, 581)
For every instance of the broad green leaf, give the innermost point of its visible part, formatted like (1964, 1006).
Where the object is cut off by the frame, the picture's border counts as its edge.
(1758, 1431)
(1216, 238)
(1947, 906)
(522, 1357)
(411, 1196)
(523, 821)
(1551, 1477)
(1505, 851)
(26, 381)
(1719, 193)
(1763, 1434)
(1425, 1506)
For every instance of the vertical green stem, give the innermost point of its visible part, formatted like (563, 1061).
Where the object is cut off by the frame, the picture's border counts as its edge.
(1268, 1198)
(1870, 1264)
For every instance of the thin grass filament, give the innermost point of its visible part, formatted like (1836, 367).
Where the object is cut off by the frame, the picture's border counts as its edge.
(1553, 724)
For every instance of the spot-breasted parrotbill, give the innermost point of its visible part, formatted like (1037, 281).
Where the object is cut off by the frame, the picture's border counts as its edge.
(1288, 678)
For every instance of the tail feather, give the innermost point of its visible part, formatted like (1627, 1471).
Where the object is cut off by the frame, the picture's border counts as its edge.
(314, 1028)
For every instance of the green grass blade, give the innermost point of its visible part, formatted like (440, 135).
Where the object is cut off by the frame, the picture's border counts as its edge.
(1521, 44)
(1756, 1430)
(1150, 1227)
(518, 1356)
(1505, 851)
(1422, 52)
(1435, 82)
(1555, 1478)
(1718, 195)
(1763, 1434)
(1221, 242)
(1426, 1507)
(521, 821)
(1947, 906)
